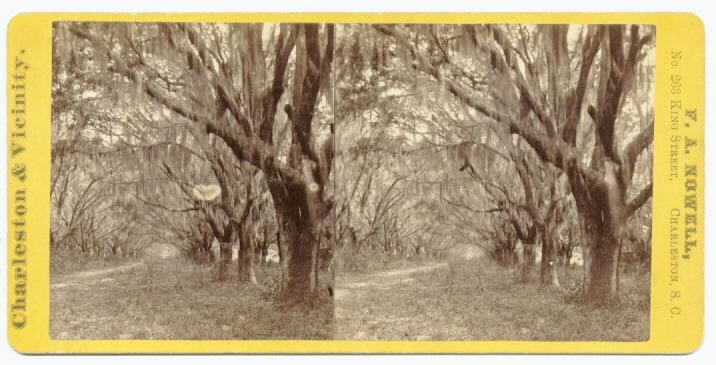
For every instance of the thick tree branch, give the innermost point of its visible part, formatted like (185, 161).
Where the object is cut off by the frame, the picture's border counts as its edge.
(589, 52)
(284, 46)
(634, 148)
(639, 200)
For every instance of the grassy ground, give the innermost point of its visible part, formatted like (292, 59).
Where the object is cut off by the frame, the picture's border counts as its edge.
(478, 300)
(175, 299)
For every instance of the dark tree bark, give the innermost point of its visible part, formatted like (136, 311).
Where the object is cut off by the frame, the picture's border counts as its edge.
(299, 240)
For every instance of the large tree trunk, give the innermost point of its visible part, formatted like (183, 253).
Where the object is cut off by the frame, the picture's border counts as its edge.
(300, 212)
(301, 252)
(601, 211)
(601, 265)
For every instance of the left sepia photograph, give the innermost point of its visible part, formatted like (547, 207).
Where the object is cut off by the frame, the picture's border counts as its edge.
(192, 185)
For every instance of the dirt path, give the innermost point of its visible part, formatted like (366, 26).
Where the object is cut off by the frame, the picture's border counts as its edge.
(356, 297)
(383, 279)
(83, 278)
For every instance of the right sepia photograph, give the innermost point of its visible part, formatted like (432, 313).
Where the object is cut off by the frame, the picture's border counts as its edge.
(493, 182)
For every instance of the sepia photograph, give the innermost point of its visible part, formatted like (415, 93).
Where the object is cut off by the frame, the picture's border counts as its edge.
(489, 182)
(398, 180)
(494, 182)
(192, 184)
